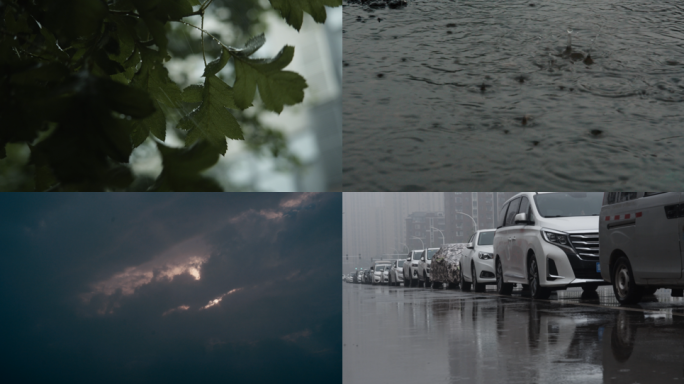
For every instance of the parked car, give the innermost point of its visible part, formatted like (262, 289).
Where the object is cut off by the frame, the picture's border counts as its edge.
(396, 272)
(373, 269)
(377, 275)
(548, 241)
(385, 274)
(639, 243)
(410, 269)
(477, 263)
(367, 276)
(350, 278)
(445, 265)
(358, 277)
(423, 269)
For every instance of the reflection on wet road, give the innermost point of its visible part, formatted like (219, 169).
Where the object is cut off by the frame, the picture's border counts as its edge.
(481, 95)
(409, 335)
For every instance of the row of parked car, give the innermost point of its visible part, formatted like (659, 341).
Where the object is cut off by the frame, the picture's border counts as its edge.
(552, 241)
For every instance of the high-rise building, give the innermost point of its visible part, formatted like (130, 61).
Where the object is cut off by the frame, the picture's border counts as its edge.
(463, 211)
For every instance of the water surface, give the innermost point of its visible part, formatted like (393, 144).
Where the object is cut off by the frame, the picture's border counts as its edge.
(476, 95)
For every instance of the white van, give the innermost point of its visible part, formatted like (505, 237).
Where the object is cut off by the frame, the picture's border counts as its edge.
(548, 241)
(640, 235)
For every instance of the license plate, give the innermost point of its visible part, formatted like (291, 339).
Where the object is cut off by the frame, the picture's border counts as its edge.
(598, 267)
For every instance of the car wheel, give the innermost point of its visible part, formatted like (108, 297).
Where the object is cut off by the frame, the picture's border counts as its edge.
(536, 290)
(426, 281)
(624, 288)
(501, 287)
(477, 287)
(589, 288)
(465, 286)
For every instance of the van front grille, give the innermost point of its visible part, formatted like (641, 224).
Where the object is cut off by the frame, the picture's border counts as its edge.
(586, 245)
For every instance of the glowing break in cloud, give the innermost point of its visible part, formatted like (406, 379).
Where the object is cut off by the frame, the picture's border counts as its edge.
(298, 199)
(186, 257)
(178, 308)
(218, 299)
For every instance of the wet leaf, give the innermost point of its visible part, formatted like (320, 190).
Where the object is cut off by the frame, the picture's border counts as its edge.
(215, 66)
(211, 121)
(182, 167)
(293, 10)
(276, 87)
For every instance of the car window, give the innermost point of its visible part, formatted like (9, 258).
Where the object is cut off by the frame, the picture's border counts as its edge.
(512, 210)
(416, 255)
(647, 194)
(471, 238)
(431, 252)
(611, 198)
(524, 206)
(569, 204)
(486, 238)
(400, 263)
(502, 216)
(626, 196)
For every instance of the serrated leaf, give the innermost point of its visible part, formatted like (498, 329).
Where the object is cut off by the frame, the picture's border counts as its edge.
(211, 121)
(154, 78)
(251, 46)
(193, 94)
(276, 87)
(125, 32)
(293, 10)
(215, 66)
(182, 167)
(155, 123)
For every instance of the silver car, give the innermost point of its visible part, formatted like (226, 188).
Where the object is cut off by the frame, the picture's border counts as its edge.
(377, 274)
(410, 269)
(423, 270)
(477, 264)
(396, 273)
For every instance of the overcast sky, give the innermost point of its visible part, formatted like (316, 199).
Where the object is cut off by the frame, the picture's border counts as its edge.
(171, 287)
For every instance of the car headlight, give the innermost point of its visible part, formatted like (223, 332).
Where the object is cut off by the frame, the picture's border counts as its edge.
(485, 255)
(556, 238)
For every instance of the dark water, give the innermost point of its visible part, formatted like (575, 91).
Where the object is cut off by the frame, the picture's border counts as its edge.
(417, 117)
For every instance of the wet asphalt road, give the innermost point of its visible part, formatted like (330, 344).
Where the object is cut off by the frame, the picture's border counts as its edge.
(417, 335)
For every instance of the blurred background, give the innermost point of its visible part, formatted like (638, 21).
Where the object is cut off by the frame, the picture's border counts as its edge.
(298, 150)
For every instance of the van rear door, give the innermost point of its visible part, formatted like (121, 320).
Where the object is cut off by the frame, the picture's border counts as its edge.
(657, 232)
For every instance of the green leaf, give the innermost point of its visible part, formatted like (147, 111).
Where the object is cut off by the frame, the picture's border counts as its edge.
(276, 87)
(125, 99)
(211, 121)
(182, 167)
(154, 78)
(293, 10)
(215, 66)
(193, 94)
(252, 46)
(155, 123)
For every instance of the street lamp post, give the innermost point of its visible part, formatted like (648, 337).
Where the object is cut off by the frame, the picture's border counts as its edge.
(471, 218)
(440, 231)
(421, 241)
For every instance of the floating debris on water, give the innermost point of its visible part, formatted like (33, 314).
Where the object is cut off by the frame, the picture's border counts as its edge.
(588, 60)
(596, 132)
(380, 75)
(451, 25)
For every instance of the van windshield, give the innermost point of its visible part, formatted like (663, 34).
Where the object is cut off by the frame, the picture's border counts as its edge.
(416, 255)
(566, 204)
(431, 252)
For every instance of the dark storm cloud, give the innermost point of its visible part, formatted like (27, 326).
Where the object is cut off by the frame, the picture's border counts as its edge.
(172, 287)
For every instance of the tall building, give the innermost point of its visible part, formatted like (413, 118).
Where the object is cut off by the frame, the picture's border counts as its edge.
(425, 230)
(463, 210)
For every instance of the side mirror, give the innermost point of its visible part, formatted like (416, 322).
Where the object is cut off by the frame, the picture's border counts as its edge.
(521, 218)
(470, 246)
